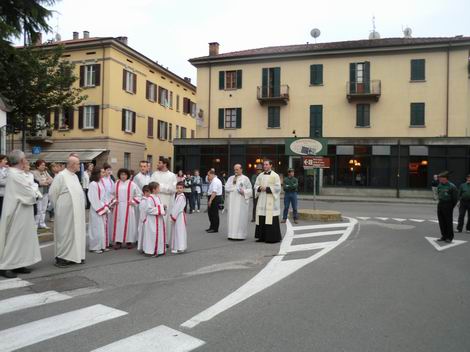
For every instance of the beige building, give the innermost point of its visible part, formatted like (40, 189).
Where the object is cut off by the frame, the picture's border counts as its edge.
(134, 109)
(366, 97)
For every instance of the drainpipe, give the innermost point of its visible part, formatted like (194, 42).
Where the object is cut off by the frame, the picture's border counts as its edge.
(447, 90)
(398, 167)
(102, 95)
(209, 104)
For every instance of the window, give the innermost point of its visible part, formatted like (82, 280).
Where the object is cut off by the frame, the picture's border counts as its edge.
(230, 79)
(417, 114)
(316, 121)
(193, 109)
(129, 81)
(271, 82)
(150, 127)
(418, 68)
(274, 116)
(177, 132)
(170, 132)
(162, 130)
(127, 160)
(193, 134)
(359, 77)
(178, 103)
(170, 102)
(128, 121)
(90, 75)
(183, 132)
(316, 75)
(63, 119)
(163, 97)
(230, 118)
(151, 91)
(362, 115)
(187, 105)
(150, 159)
(89, 117)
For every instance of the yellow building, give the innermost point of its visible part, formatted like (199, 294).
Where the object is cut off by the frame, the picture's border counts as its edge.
(366, 97)
(134, 109)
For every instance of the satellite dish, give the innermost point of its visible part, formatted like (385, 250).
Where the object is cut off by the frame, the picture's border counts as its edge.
(407, 32)
(374, 35)
(315, 33)
(58, 38)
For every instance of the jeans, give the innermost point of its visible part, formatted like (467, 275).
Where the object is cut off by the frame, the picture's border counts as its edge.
(188, 202)
(196, 200)
(290, 198)
(464, 208)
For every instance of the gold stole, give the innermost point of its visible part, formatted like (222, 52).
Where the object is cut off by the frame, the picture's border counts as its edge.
(267, 181)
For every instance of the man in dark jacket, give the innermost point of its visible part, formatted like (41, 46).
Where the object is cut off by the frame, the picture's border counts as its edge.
(448, 197)
(464, 198)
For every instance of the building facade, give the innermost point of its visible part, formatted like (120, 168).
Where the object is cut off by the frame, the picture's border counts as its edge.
(394, 111)
(133, 111)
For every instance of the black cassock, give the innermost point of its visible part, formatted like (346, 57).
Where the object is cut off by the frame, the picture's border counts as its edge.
(268, 233)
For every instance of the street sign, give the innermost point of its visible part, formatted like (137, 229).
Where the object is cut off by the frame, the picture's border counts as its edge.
(315, 162)
(36, 150)
(306, 146)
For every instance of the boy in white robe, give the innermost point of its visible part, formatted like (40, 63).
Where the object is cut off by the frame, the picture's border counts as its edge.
(179, 237)
(127, 196)
(109, 187)
(142, 215)
(154, 239)
(99, 209)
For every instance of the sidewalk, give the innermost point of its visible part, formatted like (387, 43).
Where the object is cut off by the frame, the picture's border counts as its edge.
(368, 199)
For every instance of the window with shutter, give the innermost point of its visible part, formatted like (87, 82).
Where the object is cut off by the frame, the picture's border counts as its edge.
(316, 74)
(418, 70)
(230, 118)
(150, 127)
(170, 132)
(89, 75)
(177, 103)
(88, 117)
(129, 82)
(183, 132)
(239, 79)
(128, 122)
(363, 115)
(417, 114)
(150, 91)
(230, 79)
(221, 118)
(316, 121)
(221, 80)
(274, 117)
(97, 74)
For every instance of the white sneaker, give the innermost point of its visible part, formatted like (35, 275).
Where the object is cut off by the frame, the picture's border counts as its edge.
(198, 211)
(99, 251)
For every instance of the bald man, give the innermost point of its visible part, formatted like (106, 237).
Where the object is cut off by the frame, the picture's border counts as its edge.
(68, 199)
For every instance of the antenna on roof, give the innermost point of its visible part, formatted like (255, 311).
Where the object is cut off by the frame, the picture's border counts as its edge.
(315, 33)
(374, 34)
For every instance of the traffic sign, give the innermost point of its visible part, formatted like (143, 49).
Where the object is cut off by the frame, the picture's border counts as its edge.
(315, 162)
(36, 150)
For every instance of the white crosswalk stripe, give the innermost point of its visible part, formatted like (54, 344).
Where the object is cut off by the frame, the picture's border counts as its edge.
(28, 301)
(319, 234)
(399, 219)
(13, 283)
(383, 219)
(417, 220)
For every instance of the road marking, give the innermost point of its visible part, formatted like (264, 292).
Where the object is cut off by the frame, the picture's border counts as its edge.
(324, 226)
(310, 246)
(13, 283)
(399, 219)
(417, 220)
(32, 300)
(433, 241)
(40, 330)
(159, 339)
(435, 221)
(319, 234)
(383, 219)
(273, 272)
(363, 218)
(46, 245)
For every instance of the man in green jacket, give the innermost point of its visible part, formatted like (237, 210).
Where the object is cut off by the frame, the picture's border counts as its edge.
(291, 187)
(464, 198)
(447, 194)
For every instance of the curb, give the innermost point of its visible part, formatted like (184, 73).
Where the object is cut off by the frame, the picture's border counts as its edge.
(372, 200)
(45, 237)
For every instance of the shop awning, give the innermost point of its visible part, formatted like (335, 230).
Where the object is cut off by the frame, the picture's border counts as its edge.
(61, 156)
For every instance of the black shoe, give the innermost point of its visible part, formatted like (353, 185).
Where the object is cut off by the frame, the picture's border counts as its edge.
(207, 230)
(9, 274)
(212, 231)
(83, 261)
(448, 241)
(458, 230)
(259, 241)
(442, 239)
(22, 270)
(62, 263)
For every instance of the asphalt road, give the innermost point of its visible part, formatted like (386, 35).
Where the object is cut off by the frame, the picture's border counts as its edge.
(385, 288)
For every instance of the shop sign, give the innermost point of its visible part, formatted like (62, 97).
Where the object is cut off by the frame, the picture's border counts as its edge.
(306, 146)
(315, 162)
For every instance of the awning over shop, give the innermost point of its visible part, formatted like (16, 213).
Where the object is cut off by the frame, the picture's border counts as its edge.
(62, 155)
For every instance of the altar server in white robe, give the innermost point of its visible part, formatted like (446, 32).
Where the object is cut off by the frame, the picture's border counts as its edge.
(68, 199)
(19, 245)
(142, 216)
(239, 191)
(127, 196)
(268, 208)
(167, 181)
(99, 209)
(154, 239)
(179, 237)
(109, 186)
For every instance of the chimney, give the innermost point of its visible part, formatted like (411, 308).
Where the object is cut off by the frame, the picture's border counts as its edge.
(123, 40)
(86, 34)
(75, 35)
(187, 79)
(38, 39)
(213, 49)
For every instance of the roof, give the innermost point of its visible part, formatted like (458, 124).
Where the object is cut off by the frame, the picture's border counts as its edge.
(115, 41)
(363, 44)
(61, 156)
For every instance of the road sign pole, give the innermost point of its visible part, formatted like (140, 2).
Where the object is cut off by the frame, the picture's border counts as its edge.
(314, 189)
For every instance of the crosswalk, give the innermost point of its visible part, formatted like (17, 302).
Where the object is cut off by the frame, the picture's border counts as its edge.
(399, 220)
(157, 339)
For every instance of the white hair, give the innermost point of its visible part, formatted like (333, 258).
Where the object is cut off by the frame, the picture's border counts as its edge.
(15, 157)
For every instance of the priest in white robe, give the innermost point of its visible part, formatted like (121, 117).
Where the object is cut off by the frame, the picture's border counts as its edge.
(19, 245)
(268, 208)
(167, 181)
(239, 191)
(154, 239)
(68, 199)
(179, 236)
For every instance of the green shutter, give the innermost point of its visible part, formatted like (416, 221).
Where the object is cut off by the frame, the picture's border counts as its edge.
(264, 83)
(352, 77)
(239, 79)
(221, 80)
(276, 81)
(316, 121)
(274, 117)
(417, 114)
(239, 118)
(316, 74)
(367, 77)
(221, 118)
(418, 70)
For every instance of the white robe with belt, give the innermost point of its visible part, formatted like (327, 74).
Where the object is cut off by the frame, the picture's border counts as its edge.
(167, 182)
(269, 204)
(179, 237)
(154, 239)
(125, 223)
(98, 220)
(238, 206)
(109, 188)
(68, 199)
(140, 226)
(19, 245)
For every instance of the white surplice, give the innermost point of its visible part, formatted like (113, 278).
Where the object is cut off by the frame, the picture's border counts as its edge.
(179, 237)
(19, 244)
(98, 219)
(109, 188)
(167, 182)
(141, 180)
(68, 199)
(127, 196)
(154, 238)
(269, 204)
(140, 226)
(238, 206)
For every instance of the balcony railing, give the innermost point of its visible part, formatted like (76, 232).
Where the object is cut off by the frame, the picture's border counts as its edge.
(273, 94)
(364, 90)
(44, 135)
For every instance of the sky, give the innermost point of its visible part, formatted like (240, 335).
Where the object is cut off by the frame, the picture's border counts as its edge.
(173, 31)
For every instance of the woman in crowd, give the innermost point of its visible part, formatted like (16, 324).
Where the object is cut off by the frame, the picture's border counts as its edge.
(196, 191)
(44, 180)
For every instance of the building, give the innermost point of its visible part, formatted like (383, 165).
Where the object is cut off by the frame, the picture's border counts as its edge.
(133, 111)
(395, 111)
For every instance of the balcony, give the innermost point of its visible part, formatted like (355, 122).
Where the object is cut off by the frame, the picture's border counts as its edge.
(273, 94)
(43, 135)
(370, 90)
